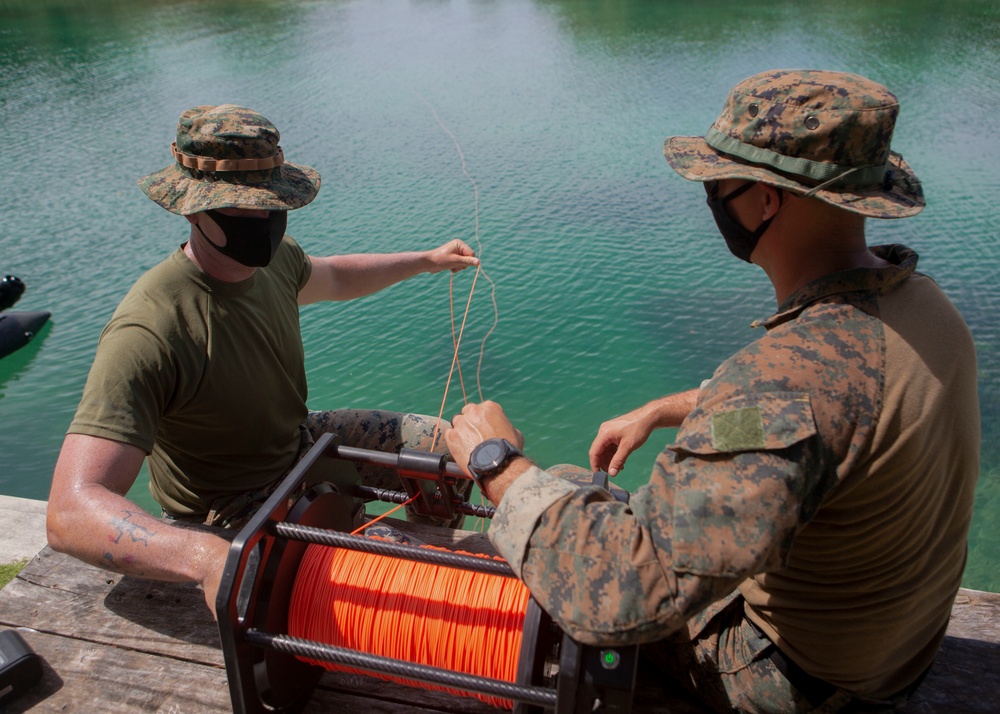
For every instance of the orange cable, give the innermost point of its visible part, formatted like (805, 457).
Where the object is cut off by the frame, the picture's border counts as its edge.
(454, 340)
(387, 513)
(450, 618)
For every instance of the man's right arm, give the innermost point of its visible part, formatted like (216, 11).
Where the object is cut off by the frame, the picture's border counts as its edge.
(90, 518)
(617, 438)
(346, 277)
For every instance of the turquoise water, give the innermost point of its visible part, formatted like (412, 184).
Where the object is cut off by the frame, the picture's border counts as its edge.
(611, 283)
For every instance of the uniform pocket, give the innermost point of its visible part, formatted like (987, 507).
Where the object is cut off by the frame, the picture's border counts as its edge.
(744, 645)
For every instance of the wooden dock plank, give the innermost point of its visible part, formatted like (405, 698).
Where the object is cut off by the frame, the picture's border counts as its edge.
(163, 619)
(92, 677)
(965, 676)
(117, 680)
(50, 569)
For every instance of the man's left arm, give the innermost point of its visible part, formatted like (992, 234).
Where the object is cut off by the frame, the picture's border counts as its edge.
(345, 277)
(615, 573)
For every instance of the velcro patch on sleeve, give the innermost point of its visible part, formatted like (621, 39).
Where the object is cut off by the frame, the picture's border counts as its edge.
(748, 422)
(738, 430)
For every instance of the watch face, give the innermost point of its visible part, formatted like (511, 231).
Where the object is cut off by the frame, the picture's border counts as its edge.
(489, 453)
(490, 457)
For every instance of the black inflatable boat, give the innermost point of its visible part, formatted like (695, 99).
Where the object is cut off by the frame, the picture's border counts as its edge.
(17, 327)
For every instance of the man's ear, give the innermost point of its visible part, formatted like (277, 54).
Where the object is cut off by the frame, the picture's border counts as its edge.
(772, 198)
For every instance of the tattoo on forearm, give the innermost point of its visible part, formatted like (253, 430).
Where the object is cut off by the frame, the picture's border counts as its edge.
(136, 533)
(125, 565)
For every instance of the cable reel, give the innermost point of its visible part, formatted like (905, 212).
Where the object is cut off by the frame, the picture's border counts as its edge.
(321, 501)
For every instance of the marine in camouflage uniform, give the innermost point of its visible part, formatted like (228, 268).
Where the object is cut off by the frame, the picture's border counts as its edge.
(201, 369)
(799, 545)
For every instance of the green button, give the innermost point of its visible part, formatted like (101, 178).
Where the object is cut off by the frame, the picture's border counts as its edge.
(610, 659)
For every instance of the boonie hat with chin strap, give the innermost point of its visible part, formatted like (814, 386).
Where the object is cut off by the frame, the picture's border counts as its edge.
(228, 156)
(812, 132)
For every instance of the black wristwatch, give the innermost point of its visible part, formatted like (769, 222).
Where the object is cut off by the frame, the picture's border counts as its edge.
(490, 458)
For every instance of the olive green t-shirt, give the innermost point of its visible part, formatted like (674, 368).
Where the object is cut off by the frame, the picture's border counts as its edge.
(207, 377)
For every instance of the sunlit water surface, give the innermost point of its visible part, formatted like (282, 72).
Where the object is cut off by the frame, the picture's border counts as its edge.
(612, 284)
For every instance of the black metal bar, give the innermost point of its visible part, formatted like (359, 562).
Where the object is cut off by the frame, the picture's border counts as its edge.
(392, 460)
(293, 531)
(387, 496)
(400, 668)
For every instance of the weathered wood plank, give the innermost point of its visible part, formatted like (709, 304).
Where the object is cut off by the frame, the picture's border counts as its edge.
(58, 571)
(166, 619)
(965, 676)
(976, 615)
(115, 680)
(91, 677)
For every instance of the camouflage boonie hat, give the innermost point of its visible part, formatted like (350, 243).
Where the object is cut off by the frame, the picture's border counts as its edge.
(814, 133)
(228, 156)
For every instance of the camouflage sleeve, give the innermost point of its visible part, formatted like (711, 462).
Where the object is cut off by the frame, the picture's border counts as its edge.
(722, 503)
(523, 504)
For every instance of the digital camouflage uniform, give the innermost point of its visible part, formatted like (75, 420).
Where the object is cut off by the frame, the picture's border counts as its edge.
(373, 429)
(785, 427)
(799, 545)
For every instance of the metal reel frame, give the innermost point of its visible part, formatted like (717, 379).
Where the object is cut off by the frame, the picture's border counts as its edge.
(262, 661)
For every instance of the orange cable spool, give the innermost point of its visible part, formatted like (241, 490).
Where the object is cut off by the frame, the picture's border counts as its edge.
(422, 613)
(300, 595)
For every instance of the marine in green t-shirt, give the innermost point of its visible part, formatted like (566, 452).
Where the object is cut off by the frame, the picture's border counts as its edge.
(201, 368)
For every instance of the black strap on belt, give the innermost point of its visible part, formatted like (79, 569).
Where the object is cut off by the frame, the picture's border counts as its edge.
(815, 690)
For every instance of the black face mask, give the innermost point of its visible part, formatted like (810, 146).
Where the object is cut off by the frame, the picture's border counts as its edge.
(740, 240)
(250, 241)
